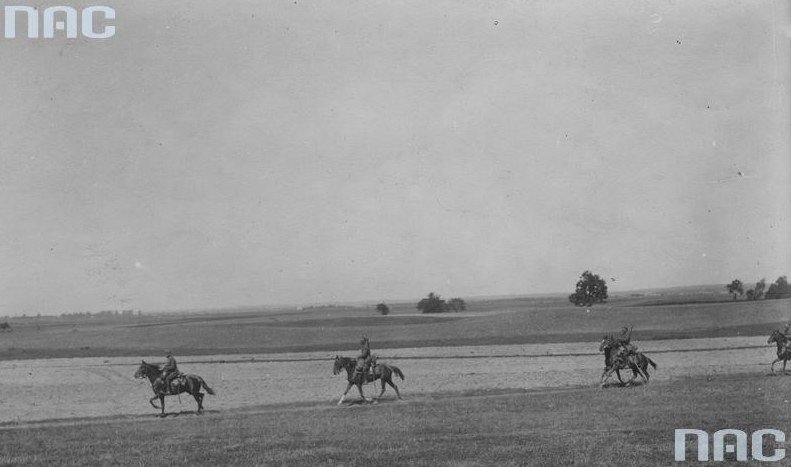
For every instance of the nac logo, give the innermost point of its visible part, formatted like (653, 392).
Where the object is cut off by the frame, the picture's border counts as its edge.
(736, 442)
(91, 22)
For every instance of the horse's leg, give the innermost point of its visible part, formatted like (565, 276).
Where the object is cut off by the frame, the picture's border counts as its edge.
(162, 401)
(343, 396)
(618, 374)
(199, 400)
(637, 370)
(383, 389)
(773, 365)
(392, 384)
(634, 375)
(784, 366)
(606, 374)
(360, 388)
(151, 401)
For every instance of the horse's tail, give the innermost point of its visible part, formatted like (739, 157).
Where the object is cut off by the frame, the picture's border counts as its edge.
(206, 387)
(397, 371)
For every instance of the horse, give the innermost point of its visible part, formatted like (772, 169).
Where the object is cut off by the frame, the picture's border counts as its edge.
(783, 350)
(637, 362)
(381, 371)
(191, 384)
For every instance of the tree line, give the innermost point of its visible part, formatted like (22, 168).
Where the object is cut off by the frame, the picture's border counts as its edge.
(778, 289)
(431, 304)
(592, 289)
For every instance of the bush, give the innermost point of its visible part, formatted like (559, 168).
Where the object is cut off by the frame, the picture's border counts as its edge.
(432, 304)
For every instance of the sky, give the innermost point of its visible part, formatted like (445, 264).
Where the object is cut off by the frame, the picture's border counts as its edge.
(242, 153)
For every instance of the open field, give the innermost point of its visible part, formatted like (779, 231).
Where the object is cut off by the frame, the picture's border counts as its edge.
(513, 383)
(571, 426)
(91, 387)
(492, 322)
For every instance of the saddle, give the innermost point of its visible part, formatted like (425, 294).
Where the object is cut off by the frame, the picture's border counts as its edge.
(175, 383)
(367, 370)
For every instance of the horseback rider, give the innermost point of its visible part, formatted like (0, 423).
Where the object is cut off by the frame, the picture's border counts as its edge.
(364, 360)
(170, 370)
(623, 346)
(786, 332)
(624, 340)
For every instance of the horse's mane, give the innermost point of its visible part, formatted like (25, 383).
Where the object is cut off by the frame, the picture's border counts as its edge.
(153, 365)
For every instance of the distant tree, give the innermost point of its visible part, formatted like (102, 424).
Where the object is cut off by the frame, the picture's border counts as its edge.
(735, 288)
(750, 294)
(779, 289)
(760, 287)
(456, 304)
(590, 289)
(383, 309)
(432, 304)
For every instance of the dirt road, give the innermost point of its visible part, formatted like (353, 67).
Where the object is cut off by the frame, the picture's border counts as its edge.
(33, 390)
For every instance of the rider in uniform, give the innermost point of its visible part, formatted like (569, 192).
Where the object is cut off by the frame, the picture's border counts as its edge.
(364, 359)
(623, 344)
(169, 371)
(787, 333)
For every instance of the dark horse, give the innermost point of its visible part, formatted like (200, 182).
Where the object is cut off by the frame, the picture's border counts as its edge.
(381, 371)
(614, 362)
(783, 351)
(191, 384)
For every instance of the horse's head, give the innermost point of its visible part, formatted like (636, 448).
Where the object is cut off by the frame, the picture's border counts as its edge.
(146, 369)
(338, 366)
(776, 336)
(606, 343)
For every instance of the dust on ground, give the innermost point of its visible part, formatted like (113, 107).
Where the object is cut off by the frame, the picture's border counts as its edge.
(45, 389)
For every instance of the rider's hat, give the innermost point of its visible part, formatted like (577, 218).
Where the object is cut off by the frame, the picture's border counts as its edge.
(168, 353)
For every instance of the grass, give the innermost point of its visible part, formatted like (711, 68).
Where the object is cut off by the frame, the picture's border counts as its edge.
(504, 321)
(575, 426)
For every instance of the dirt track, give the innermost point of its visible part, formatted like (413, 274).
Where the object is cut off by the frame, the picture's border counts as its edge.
(33, 390)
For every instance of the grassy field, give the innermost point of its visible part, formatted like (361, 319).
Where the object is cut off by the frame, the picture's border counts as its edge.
(566, 426)
(575, 426)
(505, 321)
(500, 321)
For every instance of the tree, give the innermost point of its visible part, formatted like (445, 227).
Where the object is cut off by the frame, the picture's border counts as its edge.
(432, 304)
(779, 289)
(757, 293)
(735, 288)
(456, 304)
(760, 287)
(590, 289)
(382, 308)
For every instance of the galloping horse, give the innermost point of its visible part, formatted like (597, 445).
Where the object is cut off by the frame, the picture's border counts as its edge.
(381, 371)
(637, 362)
(191, 384)
(783, 350)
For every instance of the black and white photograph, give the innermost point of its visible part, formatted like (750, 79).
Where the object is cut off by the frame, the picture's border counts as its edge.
(386, 233)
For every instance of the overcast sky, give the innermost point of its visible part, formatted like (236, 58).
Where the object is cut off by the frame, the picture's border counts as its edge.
(248, 152)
